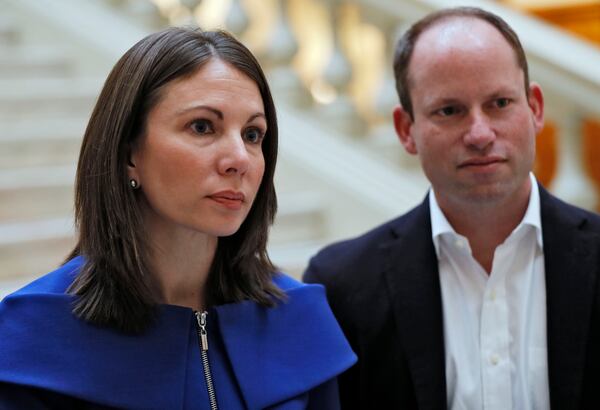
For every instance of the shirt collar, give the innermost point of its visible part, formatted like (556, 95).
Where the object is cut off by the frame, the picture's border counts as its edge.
(440, 225)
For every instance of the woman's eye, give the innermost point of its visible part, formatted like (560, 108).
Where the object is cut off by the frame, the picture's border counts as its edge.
(202, 126)
(253, 135)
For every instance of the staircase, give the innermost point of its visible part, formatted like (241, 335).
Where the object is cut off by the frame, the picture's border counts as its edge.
(45, 99)
(340, 170)
(46, 95)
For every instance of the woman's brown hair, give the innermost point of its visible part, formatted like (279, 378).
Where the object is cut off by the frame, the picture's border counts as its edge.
(115, 286)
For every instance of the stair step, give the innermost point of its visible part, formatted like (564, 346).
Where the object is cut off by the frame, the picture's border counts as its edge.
(40, 143)
(36, 192)
(301, 216)
(37, 258)
(35, 177)
(384, 141)
(25, 203)
(28, 61)
(34, 247)
(292, 258)
(35, 97)
(299, 221)
(19, 233)
(50, 128)
(58, 151)
(53, 195)
(9, 31)
(9, 285)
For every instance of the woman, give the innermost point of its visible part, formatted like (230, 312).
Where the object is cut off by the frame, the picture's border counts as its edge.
(169, 299)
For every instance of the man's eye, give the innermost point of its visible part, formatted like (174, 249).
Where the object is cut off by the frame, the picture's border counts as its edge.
(253, 135)
(447, 111)
(502, 102)
(202, 126)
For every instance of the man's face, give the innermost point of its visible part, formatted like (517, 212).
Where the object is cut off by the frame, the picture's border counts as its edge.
(474, 126)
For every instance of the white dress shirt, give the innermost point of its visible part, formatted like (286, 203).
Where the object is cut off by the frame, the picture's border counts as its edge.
(494, 325)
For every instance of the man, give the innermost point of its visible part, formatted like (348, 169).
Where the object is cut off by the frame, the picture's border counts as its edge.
(487, 295)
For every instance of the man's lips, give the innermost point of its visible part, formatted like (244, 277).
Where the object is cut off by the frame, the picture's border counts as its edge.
(481, 161)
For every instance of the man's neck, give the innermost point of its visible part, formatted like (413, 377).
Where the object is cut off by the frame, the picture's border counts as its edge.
(487, 225)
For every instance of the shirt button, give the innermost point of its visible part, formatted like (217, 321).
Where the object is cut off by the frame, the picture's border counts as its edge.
(494, 360)
(459, 244)
(493, 295)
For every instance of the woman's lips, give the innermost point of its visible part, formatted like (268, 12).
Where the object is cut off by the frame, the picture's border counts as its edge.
(229, 199)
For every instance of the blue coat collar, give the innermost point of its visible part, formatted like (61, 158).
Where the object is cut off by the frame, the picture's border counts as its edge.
(275, 353)
(282, 352)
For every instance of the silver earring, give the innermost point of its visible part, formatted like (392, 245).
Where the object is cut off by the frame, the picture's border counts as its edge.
(133, 183)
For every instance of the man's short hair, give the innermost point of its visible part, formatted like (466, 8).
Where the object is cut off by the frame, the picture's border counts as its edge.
(407, 42)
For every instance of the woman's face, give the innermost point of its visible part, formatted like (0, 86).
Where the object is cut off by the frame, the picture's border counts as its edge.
(200, 162)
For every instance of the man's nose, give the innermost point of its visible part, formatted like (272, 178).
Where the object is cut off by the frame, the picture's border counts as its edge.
(480, 133)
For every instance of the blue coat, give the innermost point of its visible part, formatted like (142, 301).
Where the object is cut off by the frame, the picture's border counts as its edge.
(286, 357)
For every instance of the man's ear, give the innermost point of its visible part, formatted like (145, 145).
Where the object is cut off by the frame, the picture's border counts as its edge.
(403, 123)
(536, 104)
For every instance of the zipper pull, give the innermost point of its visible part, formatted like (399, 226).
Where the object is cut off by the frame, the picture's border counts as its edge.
(201, 319)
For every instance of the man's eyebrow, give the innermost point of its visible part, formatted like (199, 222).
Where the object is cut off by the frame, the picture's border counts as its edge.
(503, 92)
(439, 101)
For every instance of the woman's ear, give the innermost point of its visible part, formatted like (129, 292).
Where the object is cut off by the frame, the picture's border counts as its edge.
(403, 123)
(132, 172)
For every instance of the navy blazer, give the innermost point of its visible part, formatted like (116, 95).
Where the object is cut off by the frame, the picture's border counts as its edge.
(285, 357)
(385, 292)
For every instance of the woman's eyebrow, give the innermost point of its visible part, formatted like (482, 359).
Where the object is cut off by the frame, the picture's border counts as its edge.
(218, 113)
(257, 115)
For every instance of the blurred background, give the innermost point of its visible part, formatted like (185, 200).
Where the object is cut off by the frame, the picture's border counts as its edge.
(341, 169)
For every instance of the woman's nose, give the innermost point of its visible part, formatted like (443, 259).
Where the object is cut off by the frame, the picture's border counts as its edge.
(234, 158)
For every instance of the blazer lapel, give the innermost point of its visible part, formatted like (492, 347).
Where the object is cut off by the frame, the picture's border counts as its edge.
(571, 256)
(413, 281)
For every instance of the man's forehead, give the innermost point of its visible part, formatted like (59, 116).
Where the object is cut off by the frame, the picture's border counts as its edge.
(459, 46)
(456, 32)
(456, 41)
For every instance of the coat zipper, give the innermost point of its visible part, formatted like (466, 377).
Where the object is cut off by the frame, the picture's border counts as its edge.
(201, 319)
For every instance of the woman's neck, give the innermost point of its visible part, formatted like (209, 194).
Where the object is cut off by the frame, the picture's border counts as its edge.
(181, 262)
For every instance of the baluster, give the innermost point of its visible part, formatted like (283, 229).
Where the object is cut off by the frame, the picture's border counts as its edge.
(146, 11)
(278, 56)
(283, 45)
(341, 112)
(338, 72)
(142, 10)
(173, 11)
(383, 133)
(163, 7)
(546, 154)
(211, 14)
(237, 20)
(387, 96)
(591, 150)
(261, 16)
(190, 4)
(572, 183)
